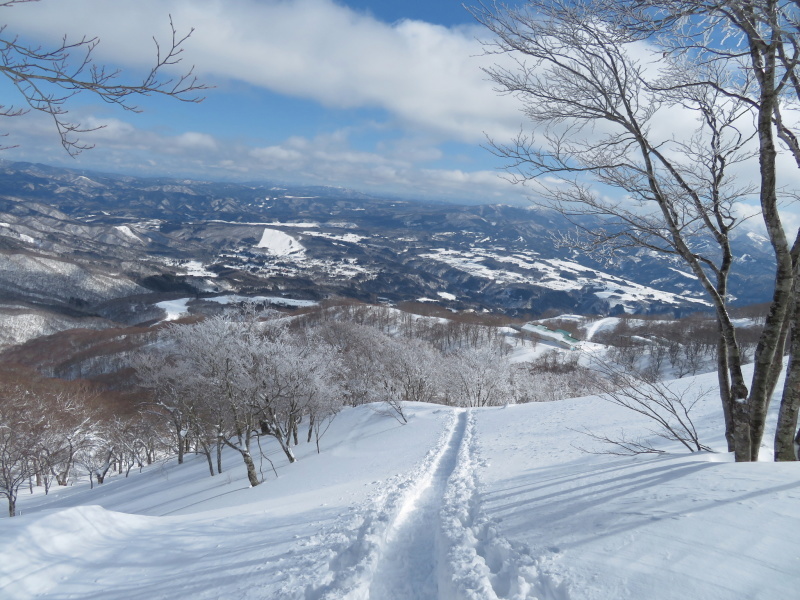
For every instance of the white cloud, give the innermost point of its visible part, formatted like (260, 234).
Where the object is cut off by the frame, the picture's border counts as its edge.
(425, 75)
(192, 140)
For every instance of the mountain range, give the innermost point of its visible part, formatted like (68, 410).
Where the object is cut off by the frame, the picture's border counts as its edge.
(96, 247)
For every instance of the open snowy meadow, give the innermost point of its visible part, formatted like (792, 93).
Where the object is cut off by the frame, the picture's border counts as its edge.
(457, 504)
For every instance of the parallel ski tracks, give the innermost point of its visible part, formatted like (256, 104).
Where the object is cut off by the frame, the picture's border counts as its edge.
(422, 537)
(411, 561)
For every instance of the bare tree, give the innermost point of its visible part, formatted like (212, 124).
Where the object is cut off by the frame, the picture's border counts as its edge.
(759, 41)
(666, 404)
(20, 428)
(65, 432)
(587, 74)
(48, 78)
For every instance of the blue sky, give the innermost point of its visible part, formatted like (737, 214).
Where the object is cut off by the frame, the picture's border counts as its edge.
(384, 97)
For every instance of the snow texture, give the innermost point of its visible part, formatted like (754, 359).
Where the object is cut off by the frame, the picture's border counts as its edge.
(467, 504)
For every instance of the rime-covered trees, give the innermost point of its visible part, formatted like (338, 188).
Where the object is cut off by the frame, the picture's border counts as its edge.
(479, 377)
(19, 438)
(44, 432)
(229, 381)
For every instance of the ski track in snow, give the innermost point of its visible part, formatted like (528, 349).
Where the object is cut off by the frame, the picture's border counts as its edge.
(597, 325)
(412, 540)
(423, 536)
(482, 564)
(356, 545)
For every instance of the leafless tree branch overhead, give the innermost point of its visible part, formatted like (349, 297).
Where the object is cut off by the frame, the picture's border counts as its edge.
(47, 78)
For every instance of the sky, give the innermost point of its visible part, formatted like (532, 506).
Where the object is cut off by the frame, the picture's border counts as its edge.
(383, 97)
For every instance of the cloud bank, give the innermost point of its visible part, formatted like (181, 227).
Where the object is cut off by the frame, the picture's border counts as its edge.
(424, 79)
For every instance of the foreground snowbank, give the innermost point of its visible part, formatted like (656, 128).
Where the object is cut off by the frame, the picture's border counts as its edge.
(458, 504)
(598, 527)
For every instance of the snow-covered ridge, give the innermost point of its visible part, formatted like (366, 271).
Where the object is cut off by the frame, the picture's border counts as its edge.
(556, 274)
(179, 308)
(278, 243)
(126, 231)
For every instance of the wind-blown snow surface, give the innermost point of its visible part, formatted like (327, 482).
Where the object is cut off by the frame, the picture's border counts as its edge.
(458, 504)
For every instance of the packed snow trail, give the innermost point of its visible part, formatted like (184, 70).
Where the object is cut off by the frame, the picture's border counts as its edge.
(354, 547)
(408, 568)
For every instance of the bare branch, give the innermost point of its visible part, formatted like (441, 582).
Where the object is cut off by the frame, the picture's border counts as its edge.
(47, 79)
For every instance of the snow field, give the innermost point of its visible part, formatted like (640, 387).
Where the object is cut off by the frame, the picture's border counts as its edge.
(595, 527)
(278, 243)
(490, 504)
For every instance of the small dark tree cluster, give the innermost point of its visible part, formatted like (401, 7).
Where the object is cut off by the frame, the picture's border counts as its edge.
(681, 347)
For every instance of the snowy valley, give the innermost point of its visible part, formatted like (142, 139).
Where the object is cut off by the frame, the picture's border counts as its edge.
(108, 248)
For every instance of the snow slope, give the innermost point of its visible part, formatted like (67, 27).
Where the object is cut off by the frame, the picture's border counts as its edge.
(278, 243)
(458, 504)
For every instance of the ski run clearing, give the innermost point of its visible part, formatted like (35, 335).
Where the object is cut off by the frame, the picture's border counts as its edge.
(458, 504)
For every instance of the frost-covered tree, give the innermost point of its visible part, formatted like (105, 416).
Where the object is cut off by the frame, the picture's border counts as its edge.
(20, 431)
(409, 371)
(359, 349)
(229, 381)
(66, 432)
(479, 377)
(159, 373)
(378, 367)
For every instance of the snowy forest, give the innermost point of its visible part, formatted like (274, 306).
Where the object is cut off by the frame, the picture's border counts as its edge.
(252, 372)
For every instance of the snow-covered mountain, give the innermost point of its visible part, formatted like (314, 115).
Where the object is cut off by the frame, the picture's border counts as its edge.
(481, 504)
(82, 243)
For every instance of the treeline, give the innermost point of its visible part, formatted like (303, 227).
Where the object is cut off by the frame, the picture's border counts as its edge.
(235, 380)
(681, 347)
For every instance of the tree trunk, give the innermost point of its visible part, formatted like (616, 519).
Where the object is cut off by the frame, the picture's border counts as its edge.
(180, 446)
(764, 62)
(284, 441)
(207, 454)
(252, 476)
(724, 380)
(786, 429)
(12, 504)
(759, 410)
(797, 444)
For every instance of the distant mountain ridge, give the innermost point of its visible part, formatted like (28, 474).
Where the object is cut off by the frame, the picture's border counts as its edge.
(79, 241)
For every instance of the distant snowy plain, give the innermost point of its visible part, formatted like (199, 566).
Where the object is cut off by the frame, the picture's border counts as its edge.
(457, 504)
